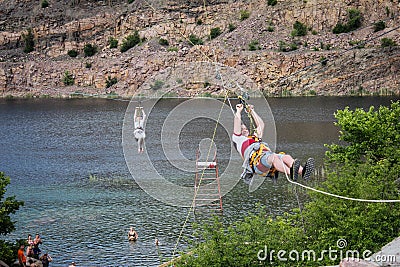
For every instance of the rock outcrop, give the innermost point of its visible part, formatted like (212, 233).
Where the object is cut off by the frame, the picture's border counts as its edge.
(323, 63)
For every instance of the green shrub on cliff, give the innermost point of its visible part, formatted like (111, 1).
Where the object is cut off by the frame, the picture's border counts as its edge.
(299, 29)
(44, 4)
(113, 42)
(130, 41)
(68, 78)
(72, 53)
(194, 40)
(387, 42)
(380, 25)
(244, 14)
(354, 22)
(111, 81)
(89, 50)
(215, 32)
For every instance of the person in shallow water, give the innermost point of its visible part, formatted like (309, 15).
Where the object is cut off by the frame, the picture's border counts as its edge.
(139, 118)
(132, 235)
(258, 157)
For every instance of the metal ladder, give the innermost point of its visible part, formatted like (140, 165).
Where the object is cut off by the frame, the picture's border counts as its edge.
(207, 185)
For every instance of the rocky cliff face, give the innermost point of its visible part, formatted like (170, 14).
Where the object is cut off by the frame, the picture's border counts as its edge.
(323, 63)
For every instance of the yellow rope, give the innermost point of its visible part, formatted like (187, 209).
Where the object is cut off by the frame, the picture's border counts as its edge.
(201, 177)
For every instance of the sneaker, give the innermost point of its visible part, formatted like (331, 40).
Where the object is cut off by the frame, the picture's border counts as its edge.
(247, 176)
(294, 170)
(308, 168)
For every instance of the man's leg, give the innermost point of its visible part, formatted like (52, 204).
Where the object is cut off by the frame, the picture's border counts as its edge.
(280, 164)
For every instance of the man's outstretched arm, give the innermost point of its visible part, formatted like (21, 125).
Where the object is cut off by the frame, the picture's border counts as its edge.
(237, 120)
(258, 121)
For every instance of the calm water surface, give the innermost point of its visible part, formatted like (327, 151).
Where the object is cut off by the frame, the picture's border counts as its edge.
(66, 162)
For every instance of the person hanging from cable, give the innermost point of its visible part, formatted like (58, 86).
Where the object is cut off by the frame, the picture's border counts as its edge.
(258, 157)
(139, 133)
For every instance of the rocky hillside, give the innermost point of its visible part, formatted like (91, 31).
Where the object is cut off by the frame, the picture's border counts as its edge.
(245, 44)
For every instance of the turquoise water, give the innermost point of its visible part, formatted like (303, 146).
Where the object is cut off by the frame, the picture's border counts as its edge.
(66, 161)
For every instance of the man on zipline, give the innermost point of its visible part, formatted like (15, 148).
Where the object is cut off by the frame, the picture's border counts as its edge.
(258, 157)
(139, 118)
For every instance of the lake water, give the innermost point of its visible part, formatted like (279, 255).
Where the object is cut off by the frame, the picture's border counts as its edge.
(74, 165)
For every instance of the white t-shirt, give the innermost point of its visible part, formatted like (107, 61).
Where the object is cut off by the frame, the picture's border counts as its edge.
(242, 143)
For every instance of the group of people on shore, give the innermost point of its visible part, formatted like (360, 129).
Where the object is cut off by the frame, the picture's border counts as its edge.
(31, 255)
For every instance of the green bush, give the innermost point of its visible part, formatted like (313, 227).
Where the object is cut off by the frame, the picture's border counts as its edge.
(284, 47)
(29, 42)
(194, 40)
(172, 49)
(111, 81)
(44, 4)
(340, 28)
(299, 29)
(157, 85)
(68, 78)
(354, 22)
(89, 50)
(215, 32)
(354, 19)
(163, 41)
(113, 43)
(272, 2)
(244, 14)
(72, 53)
(130, 41)
(254, 45)
(387, 42)
(378, 26)
(231, 27)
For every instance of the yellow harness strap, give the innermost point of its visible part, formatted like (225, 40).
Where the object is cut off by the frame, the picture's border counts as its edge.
(256, 157)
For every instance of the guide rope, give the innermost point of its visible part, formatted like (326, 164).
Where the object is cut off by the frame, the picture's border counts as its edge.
(338, 196)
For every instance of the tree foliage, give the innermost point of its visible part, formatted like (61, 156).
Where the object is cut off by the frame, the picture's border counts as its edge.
(364, 165)
(8, 205)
